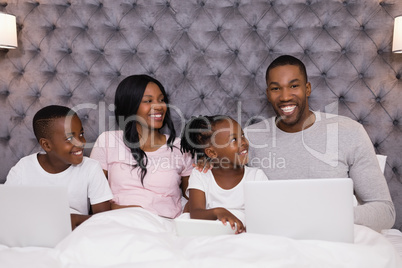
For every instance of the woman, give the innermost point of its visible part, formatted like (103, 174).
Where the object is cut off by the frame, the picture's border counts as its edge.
(144, 167)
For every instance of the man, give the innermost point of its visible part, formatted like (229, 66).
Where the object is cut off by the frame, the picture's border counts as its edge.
(299, 143)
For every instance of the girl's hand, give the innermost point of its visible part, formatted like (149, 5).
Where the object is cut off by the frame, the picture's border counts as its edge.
(225, 216)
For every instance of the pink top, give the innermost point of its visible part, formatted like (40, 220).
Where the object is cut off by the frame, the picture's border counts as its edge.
(161, 192)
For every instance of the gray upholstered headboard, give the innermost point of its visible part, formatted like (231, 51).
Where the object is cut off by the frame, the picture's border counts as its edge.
(210, 55)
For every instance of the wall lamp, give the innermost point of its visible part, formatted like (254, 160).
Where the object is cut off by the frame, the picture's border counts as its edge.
(397, 42)
(8, 31)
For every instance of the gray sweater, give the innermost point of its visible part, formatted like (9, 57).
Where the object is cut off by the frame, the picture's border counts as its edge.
(333, 147)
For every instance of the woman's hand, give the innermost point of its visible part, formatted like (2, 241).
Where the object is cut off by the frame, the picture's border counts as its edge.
(203, 165)
(226, 216)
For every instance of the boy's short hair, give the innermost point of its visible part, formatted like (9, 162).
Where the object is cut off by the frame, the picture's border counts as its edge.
(43, 119)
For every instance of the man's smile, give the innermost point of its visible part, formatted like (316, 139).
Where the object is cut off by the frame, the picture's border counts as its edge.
(288, 109)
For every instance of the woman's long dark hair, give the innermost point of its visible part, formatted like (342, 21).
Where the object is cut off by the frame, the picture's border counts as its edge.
(128, 98)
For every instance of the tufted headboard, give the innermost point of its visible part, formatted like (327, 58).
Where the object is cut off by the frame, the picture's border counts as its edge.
(211, 57)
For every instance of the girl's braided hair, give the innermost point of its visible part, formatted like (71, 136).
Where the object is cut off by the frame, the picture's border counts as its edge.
(197, 134)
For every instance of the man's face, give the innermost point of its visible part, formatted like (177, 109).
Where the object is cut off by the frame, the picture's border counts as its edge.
(288, 93)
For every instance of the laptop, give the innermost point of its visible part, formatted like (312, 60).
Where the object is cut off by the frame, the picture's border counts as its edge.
(317, 209)
(196, 227)
(33, 215)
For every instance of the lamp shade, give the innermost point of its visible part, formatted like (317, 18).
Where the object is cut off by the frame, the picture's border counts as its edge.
(8, 31)
(397, 42)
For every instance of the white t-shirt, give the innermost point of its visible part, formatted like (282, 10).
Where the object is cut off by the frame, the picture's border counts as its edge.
(86, 182)
(215, 196)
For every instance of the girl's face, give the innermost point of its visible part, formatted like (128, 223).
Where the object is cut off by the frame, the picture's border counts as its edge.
(229, 144)
(152, 109)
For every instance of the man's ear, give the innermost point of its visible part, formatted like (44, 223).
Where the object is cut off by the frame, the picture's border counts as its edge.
(45, 144)
(210, 152)
(308, 89)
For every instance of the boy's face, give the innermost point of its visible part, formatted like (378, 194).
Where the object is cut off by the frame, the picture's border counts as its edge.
(288, 93)
(65, 146)
(229, 144)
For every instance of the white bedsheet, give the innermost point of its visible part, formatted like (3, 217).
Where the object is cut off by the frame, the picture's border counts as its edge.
(395, 237)
(134, 237)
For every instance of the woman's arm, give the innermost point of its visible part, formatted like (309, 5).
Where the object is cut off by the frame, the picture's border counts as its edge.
(116, 206)
(184, 185)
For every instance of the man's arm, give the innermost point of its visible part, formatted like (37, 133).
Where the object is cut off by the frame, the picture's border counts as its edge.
(377, 210)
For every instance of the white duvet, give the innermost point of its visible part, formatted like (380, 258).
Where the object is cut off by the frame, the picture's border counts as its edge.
(133, 237)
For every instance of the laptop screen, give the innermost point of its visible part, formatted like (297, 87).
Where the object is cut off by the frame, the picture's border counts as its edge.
(301, 208)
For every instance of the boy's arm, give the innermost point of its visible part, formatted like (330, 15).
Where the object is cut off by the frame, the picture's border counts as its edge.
(14, 175)
(101, 207)
(99, 192)
(77, 219)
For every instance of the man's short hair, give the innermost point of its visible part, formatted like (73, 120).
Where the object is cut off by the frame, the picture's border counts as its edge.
(287, 60)
(44, 118)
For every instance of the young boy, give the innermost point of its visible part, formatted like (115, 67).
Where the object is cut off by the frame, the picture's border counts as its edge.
(60, 134)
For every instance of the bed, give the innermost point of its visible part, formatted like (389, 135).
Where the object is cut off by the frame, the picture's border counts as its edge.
(135, 237)
(211, 56)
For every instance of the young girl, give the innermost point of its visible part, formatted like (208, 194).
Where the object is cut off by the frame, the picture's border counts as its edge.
(218, 193)
(144, 167)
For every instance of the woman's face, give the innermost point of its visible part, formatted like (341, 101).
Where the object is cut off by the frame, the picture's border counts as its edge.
(152, 109)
